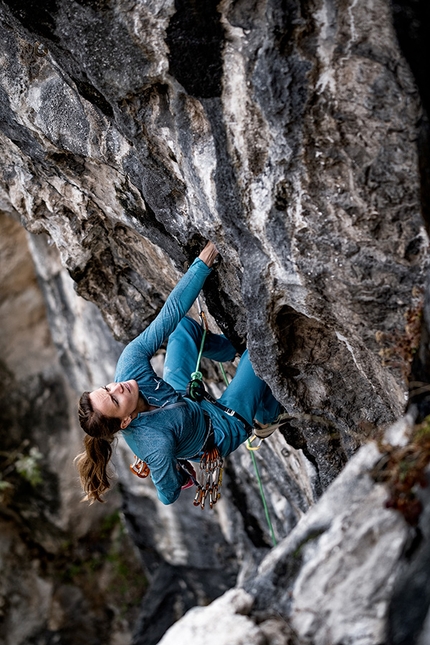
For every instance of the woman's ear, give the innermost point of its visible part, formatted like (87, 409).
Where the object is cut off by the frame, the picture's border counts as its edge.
(125, 422)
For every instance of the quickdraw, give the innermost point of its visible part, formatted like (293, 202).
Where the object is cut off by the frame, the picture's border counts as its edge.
(211, 470)
(210, 480)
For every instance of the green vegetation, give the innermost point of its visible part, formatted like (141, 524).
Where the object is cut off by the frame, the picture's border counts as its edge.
(28, 466)
(4, 485)
(22, 462)
(400, 347)
(104, 564)
(403, 469)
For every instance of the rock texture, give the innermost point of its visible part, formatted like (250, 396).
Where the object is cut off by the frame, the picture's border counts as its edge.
(331, 580)
(62, 566)
(291, 134)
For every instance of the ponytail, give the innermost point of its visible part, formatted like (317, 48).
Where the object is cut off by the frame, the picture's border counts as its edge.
(92, 464)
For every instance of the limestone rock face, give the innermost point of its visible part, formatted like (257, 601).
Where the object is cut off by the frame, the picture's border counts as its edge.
(288, 143)
(331, 580)
(292, 135)
(59, 560)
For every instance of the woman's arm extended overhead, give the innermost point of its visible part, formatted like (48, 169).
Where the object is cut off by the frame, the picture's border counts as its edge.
(174, 309)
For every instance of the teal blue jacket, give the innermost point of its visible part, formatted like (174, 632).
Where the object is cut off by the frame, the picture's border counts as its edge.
(176, 429)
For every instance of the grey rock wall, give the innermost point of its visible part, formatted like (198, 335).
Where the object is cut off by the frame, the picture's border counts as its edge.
(331, 580)
(292, 135)
(59, 561)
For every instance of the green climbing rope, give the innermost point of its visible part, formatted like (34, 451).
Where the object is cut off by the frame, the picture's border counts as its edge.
(196, 378)
(257, 474)
(195, 388)
(197, 374)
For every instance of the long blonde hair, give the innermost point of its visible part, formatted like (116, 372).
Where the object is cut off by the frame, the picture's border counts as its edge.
(92, 464)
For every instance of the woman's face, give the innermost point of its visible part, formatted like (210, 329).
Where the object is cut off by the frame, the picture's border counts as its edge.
(118, 400)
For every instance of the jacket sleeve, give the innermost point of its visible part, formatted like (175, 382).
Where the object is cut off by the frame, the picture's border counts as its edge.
(139, 352)
(167, 477)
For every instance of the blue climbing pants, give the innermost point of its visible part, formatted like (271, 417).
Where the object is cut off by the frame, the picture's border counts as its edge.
(247, 394)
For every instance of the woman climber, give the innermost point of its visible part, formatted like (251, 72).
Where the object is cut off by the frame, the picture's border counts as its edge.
(161, 425)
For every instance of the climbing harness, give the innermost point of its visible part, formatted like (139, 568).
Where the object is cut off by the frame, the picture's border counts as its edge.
(229, 411)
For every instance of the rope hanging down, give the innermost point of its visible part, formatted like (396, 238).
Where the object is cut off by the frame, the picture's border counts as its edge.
(196, 388)
(197, 383)
(257, 474)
